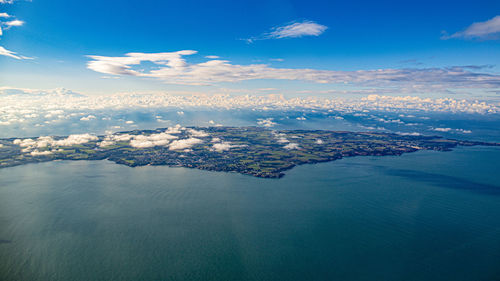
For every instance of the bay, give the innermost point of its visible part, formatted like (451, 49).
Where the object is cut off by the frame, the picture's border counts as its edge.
(421, 216)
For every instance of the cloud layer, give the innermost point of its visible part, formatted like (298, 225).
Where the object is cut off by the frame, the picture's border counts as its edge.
(172, 68)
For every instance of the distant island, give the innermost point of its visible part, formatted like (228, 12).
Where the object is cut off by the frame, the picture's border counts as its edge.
(251, 151)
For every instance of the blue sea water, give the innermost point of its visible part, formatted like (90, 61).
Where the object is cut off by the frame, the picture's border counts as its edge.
(421, 216)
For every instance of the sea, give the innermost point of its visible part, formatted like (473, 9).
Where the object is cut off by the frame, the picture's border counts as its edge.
(426, 215)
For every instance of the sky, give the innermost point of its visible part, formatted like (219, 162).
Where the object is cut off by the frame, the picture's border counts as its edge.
(349, 48)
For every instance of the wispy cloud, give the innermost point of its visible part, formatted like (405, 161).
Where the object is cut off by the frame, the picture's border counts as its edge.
(486, 30)
(291, 30)
(7, 25)
(11, 54)
(172, 68)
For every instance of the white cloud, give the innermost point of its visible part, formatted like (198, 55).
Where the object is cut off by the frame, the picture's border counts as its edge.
(292, 30)
(486, 30)
(31, 145)
(225, 146)
(172, 68)
(75, 139)
(16, 104)
(143, 141)
(4, 15)
(13, 23)
(220, 147)
(184, 143)
(292, 145)
(197, 133)
(280, 137)
(122, 65)
(442, 129)
(106, 143)
(177, 129)
(212, 57)
(14, 55)
(38, 153)
(87, 118)
(268, 122)
(297, 29)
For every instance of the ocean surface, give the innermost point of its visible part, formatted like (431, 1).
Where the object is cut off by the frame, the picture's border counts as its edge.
(421, 216)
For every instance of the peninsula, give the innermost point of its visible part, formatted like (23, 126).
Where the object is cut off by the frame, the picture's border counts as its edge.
(251, 151)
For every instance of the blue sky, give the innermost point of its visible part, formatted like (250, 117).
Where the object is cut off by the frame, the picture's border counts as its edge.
(59, 35)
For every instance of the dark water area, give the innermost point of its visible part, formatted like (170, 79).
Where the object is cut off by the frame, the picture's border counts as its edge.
(421, 216)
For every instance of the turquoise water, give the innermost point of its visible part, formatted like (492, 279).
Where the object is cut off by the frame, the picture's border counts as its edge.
(421, 216)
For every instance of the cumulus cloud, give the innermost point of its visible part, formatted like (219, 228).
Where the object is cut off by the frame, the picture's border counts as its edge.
(291, 146)
(197, 133)
(221, 146)
(142, 141)
(32, 145)
(172, 68)
(463, 131)
(184, 143)
(292, 30)
(38, 153)
(442, 129)
(75, 139)
(486, 30)
(268, 122)
(106, 143)
(282, 140)
(87, 118)
(177, 129)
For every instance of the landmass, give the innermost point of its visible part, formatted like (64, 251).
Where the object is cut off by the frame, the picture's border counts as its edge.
(251, 151)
